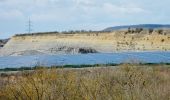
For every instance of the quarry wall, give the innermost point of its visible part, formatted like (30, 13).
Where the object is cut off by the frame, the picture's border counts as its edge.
(106, 42)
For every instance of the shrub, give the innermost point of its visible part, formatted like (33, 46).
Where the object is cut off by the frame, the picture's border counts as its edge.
(162, 40)
(138, 30)
(160, 31)
(151, 31)
(125, 82)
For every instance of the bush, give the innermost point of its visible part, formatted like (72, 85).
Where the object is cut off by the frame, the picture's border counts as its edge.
(163, 40)
(138, 30)
(151, 31)
(125, 82)
(160, 31)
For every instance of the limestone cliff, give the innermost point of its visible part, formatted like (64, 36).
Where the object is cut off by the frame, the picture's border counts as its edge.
(105, 42)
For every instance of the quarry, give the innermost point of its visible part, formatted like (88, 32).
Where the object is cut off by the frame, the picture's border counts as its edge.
(55, 43)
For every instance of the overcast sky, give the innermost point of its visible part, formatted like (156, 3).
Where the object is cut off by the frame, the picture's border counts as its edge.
(61, 15)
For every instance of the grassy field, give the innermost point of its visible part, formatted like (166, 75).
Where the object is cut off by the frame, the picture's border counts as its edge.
(122, 82)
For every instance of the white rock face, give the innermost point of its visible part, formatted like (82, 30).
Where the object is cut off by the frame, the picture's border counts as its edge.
(84, 43)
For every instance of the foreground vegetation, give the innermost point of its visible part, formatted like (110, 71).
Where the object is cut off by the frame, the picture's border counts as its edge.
(123, 82)
(77, 66)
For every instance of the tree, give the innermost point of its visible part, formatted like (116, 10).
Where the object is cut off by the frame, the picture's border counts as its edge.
(151, 31)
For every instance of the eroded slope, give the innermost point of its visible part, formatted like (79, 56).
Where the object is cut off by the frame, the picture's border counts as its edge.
(105, 42)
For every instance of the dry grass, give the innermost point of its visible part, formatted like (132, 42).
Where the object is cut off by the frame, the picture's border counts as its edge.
(125, 82)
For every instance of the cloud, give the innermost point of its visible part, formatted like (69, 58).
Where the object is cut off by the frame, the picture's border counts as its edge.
(122, 9)
(84, 2)
(49, 17)
(11, 14)
(44, 10)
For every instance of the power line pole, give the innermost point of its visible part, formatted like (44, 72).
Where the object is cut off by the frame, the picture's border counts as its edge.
(29, 26)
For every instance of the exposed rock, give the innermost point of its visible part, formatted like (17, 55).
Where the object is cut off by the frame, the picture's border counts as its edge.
(87, 50)
(27, 52)
(106, 42)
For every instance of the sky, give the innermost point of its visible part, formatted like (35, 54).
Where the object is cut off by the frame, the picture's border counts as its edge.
(64, 15)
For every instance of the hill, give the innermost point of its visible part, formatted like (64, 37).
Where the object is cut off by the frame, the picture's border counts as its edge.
(144, 26)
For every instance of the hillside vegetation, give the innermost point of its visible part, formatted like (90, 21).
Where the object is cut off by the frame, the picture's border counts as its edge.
(124, 82)
(144, 26)
(88, 42)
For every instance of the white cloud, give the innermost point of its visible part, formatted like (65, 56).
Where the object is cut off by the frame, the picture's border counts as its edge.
(122, 9)
(52, 9)
(11, 14)
(27, 3)
(84, 2)
(48, 17)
